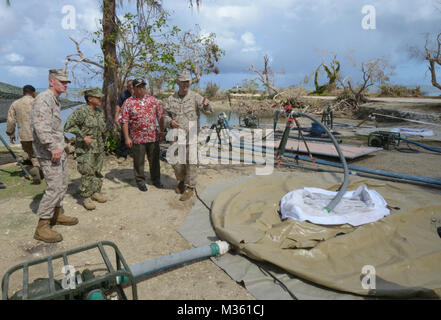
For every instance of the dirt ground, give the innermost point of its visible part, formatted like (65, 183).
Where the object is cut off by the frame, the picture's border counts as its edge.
(144, 225)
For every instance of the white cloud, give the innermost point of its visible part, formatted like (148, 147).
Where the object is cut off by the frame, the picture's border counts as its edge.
(89, 19)
(289, 29)
(250, 43)
(22, 71)
(233, 12)
(216, 17)
(248, 39)
(14, 57)
(9, 22)
(227, 42)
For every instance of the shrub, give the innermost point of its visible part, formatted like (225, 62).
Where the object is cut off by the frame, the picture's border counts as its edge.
(211, 90)
(391, 90)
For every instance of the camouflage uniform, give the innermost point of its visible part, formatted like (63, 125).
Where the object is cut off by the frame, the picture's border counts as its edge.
(19, 113)
(185, 109)
(47, 131)
(86, 122)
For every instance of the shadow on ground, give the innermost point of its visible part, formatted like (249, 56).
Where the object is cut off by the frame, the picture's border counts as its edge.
(127, 177)
(73, 189)
(121, 177)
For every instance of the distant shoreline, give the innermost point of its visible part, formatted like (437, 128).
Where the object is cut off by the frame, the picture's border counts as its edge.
(5, 104)
(10, 93)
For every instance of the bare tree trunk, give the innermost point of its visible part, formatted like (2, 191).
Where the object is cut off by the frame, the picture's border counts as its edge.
(433, 74)
(434, 58)
(110, 77)
(264, 76)
(266, 72)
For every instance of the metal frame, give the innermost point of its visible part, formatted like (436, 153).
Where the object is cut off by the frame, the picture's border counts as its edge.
(110, 278)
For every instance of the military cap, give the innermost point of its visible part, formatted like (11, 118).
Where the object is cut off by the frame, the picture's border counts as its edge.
(184, 76)
(59, 74)
(93, 92)
(138, 82)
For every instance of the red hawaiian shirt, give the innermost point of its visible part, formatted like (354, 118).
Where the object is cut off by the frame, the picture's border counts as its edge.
(141, 116)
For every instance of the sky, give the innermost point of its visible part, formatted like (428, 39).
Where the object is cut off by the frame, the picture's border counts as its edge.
(296, 34)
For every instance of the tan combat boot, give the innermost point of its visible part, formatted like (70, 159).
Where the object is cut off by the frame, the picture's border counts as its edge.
(188, 193)
(99, 197)
(88, 204)
(45, 233)
(180, 188)
(35, 173)
(60, 218)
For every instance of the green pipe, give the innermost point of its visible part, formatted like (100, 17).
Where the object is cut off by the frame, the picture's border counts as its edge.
(166, 262)
(96, 295)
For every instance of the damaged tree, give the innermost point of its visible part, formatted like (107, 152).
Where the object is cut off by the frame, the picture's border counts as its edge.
(373, 72)
(145, 47)
(433, 56)
(332, 76)
(198, 54)
(108, 46)
(111, 80)
(266, 76)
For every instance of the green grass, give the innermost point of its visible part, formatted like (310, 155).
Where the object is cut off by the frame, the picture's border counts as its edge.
(16, 184)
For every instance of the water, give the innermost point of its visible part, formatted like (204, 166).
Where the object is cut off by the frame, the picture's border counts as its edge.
(205, 120)
(64, 115)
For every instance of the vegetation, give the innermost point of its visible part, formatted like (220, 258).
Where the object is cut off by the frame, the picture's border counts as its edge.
(112, 143)
(373, 72)
(211, 90)
(144, 44)
(332, 77)
(267, 76)
(391, 90)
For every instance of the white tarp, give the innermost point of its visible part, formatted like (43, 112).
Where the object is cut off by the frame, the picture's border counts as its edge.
(413, 132)
(355, 208)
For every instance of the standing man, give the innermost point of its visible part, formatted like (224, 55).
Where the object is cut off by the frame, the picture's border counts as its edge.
(139, 115)
(179, 110)
(89, 126)
(50, 149)
(19, 113)
(123, 96)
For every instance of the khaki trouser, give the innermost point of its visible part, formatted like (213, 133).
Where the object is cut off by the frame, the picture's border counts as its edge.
(56, 180)
(27, 147)
(186, 172)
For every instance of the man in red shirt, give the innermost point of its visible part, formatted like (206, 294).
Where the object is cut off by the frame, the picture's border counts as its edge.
(139, 114)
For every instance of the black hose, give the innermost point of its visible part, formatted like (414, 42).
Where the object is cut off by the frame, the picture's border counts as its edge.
(344, 185)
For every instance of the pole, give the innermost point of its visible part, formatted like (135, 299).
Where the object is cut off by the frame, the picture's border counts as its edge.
(27, 175)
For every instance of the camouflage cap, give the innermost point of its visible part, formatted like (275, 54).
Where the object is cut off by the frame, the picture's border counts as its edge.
(184, 76)
(93, 92)
(59, 74)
